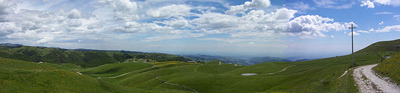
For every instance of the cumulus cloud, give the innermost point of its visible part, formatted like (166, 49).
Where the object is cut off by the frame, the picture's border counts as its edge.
(389, 28)
(113, 18)
(44, 40)
(249, 5)
(312, 26)
(5, 8)
(74, 23)
(123, 9)
(74, 14)
(370, 4)
(354, 33)
(134, 27)
(7, 28)
(367, 3)
(170, 11)
(176, 23)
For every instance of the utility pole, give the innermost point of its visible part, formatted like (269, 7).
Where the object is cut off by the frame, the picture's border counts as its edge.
(377, 56)
(352, 48)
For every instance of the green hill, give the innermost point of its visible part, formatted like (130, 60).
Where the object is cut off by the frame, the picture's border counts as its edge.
(383, 46)
(390, 68)
(321, 75)
(82, 57)
(21, 76)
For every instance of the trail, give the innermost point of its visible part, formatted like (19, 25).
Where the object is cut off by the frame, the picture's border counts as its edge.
(165, 81)
(279, 71)
(368, 82)
(345, 72)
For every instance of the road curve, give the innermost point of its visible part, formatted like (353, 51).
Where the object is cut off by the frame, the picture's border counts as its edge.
(368, 82)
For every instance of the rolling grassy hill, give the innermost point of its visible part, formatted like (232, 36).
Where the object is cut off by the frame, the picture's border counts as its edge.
(321, 75)
(82, 57)
(21, 76)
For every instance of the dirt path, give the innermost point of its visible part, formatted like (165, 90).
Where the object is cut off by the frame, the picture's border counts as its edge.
(166, 82)
(280, 71)
(368, 82)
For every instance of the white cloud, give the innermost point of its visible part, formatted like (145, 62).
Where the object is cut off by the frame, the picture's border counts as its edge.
(381, 23)
(299, 6)
(384, 13)
(361, 31)
(251, 43)
(371, 30)
(170, 11)
(74, 14)
(123, 9)
(354, 33)
(249, 5)
(397, 17)
(389, 28)
(176, 23)
(332, 36)
(74, 23)
(334, 4)
(124, 19)
(44, 40)
(309, 26)
(368, 3)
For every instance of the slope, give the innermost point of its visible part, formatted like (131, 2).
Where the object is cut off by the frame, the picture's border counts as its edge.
(390, 68)
(321, 75)
(21, 76)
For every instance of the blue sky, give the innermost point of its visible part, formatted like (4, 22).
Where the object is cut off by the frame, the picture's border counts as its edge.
(278, 28)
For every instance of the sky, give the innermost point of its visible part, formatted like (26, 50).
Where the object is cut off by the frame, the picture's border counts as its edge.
(277, 28)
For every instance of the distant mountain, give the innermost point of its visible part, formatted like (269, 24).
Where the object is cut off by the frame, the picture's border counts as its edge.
(207, 58)
(256, 60)
(303, 60)
(241, 61)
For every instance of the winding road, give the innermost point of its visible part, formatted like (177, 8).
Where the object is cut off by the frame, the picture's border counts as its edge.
(369, 82)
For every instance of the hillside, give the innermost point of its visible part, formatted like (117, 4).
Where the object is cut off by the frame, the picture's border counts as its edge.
(82, 57)
(320, 75)
(20, 76)
(390, 68)
(383, 46)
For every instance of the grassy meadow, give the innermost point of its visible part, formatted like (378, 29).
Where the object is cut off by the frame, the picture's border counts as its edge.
(321, 75)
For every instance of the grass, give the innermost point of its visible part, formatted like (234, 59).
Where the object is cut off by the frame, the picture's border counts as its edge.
(322, 75)
(115, 69)
(390, 68)
(21, 76)
(310, 76)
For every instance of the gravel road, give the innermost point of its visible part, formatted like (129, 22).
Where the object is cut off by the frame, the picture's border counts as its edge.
(369, 82)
